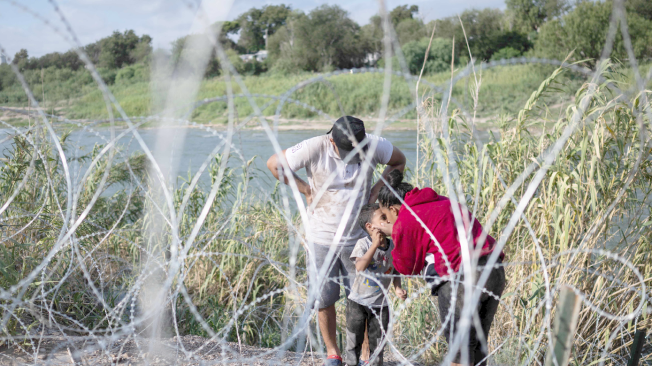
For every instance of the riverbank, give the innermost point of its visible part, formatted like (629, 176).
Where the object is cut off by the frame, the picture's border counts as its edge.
(20, 117)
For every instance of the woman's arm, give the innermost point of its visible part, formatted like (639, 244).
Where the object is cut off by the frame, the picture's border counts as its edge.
(398, 290)
(397, 161)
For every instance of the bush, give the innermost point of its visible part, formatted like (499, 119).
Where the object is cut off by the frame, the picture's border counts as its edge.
(108, 75)
(132, 74)
(124, 75)
(439, 57)
(505, 53)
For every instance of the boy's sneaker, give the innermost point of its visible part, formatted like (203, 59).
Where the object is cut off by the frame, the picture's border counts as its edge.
(363, 363)
(333, 360)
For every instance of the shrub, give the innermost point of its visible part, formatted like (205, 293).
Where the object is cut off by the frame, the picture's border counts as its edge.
(505, 53)
(439, 57)
(124, 75)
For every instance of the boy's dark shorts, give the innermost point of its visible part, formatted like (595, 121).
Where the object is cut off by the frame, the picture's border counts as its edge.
(486, 310)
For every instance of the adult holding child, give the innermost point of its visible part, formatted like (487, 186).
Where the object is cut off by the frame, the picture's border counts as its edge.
(336, 164)
(416, 252)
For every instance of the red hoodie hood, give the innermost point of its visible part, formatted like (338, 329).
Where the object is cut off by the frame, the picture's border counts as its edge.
(419, 196)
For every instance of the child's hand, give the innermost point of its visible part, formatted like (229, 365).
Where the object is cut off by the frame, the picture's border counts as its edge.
(400, 293)
(377, 237)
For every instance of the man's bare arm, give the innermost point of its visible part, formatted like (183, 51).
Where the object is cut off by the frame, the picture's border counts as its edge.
(397, 161)
(276, 168)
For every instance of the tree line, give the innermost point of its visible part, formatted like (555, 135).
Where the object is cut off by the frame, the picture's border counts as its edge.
(326, 38)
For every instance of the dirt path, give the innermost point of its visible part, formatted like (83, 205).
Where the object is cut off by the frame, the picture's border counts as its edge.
(194, 351)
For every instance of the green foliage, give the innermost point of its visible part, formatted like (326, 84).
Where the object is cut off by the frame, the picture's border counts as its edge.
(256, 25)
(530, 15)
(407, 27)
(113, 52)
(20, 58)
(505, 53)
(485, 30)
(439, 58)
(325, 39)
(132, 74)
(584, 31)
(402, 12)
(410, 30)
(640, 7)
(122, 49)
(57, 85)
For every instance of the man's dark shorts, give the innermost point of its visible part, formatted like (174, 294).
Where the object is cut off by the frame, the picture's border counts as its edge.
(341, 266)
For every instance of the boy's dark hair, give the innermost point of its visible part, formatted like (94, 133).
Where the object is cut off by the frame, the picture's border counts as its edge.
(395, 179)
(366, 213)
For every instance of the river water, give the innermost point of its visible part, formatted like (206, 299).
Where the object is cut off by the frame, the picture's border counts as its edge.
(199, 144)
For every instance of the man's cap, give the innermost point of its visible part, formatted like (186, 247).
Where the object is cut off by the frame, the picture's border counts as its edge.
(344, 131)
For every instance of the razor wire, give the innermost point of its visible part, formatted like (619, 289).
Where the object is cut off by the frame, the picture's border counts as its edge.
(171, 259)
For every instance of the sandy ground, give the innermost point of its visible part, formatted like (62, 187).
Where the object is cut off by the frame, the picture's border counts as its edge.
(23, 117)
(196, 351)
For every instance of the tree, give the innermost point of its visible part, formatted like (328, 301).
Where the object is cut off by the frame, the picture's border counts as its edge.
(68, 60)
(485, 30)
(187, 46)
(529, 15)
(119, 49)
(372, 36)
(409, 30)
(439, 57)
(584, 30)
(402, 12)
(20, 58)
(224, 30)
(640, 7)
(214, 66)
(325, 39)
(257, 25)
(115, 50)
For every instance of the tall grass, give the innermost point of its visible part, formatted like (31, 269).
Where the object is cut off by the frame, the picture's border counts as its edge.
(238, 273)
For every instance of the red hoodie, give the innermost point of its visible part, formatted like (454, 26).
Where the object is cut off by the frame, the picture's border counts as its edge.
(412, 241)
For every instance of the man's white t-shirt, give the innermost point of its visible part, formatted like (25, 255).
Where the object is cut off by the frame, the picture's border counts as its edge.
(319, 158)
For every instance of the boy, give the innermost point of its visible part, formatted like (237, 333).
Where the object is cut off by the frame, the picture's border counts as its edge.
(367, 303)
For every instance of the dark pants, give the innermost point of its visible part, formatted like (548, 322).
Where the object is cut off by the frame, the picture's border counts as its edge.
(486, 310)
(376, 320)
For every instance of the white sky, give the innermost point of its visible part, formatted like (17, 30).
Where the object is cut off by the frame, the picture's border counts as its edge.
(166, 20)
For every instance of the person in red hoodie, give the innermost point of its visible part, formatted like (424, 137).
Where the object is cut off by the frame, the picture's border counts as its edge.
(440, 260)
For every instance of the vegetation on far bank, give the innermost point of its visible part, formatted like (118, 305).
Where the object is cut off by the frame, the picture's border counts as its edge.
(503, 90)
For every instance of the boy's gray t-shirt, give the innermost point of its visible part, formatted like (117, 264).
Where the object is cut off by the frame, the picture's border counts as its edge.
(369, 290)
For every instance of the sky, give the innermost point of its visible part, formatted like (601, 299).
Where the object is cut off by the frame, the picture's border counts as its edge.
(23, 23)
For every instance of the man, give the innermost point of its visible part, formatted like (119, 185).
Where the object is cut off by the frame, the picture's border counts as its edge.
(328, 197)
